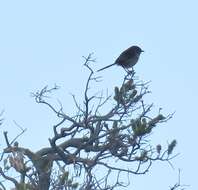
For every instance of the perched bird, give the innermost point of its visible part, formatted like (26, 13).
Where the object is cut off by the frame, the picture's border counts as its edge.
(127, 58)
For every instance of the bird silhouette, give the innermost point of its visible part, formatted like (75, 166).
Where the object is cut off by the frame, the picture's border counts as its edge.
(127, 58)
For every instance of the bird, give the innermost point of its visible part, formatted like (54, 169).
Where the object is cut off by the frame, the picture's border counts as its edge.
(127, 58)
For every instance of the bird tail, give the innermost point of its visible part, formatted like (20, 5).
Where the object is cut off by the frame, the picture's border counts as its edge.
(106, 67)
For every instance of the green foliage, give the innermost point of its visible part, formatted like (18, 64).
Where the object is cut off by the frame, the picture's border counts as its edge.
(140, 127)
(64, 177)
(127, 93)
(158, 148)
(143, 156)
(171, 146)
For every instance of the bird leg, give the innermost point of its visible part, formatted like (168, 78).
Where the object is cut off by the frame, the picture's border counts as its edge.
(130, 73)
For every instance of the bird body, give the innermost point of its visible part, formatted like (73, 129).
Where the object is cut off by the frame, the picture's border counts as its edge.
(127, 58)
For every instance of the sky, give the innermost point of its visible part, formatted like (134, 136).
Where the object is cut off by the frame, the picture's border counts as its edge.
(42, 43)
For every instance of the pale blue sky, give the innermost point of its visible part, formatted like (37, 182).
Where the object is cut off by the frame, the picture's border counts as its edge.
(42, 43)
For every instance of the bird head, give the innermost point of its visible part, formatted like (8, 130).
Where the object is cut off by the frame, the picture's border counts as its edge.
(137, 49)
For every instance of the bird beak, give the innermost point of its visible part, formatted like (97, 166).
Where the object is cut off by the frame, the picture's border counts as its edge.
(142, 50)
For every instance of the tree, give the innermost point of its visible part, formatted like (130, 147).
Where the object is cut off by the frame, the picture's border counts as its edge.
(98, 143)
